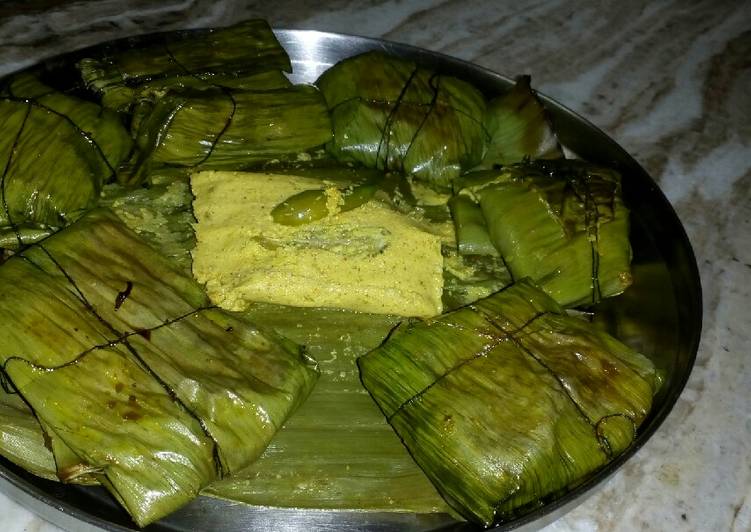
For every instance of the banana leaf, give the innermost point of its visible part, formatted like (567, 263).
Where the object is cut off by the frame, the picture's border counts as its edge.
(245, 55)
(472, 236)
(124, 361)
(519, 128)
(216, 128)
(26, 441)
(467, 278)
(19, 235)
(159, 212)
(508, 401)
(561, 223)
(56, 151)
(149, 93)
(324, 168)
(22, 439)
(103, 127)
(337, 452)
(390, 114)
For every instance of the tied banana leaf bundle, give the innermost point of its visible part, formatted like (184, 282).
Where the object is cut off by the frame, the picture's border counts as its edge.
(221, 128)
(245, 56)
(56, 151)
(136, 380)
(390, 114)
(509, 400)
(561, 223)
(518, 127)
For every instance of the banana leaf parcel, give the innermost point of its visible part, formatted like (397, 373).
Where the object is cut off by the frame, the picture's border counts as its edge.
(220, 128)
(507, 401)
(138, 382)
(519, 128)
(561, 223)
(390, 114)
(246, 55)
(56, 151)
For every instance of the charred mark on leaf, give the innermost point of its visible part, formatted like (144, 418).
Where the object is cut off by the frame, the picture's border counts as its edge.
(46, 438)
(123, 295)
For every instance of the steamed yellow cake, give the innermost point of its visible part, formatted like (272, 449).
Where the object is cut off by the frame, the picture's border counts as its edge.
(369, 259)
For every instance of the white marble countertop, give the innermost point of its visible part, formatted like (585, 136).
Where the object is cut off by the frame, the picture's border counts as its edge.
(669, 80)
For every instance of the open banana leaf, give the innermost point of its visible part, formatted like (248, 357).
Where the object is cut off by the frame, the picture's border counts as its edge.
(561, 223)
(246, 55)
(469, 278)
(509, 400)
(137, 379)
(390, 114)
(337, 451)
(56, 151)
(220, 128)
(160, 213)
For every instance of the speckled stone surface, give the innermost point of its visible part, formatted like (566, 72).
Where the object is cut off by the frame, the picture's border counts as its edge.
(669, 81)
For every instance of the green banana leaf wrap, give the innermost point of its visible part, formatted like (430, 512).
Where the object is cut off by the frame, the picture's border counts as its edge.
(508, 400)
(561, 223)
(472, 236)
(246, 55)
(519, 128)
(21, 437)
(390, 114)
(134, 376)
(56, 151)
(219, 128)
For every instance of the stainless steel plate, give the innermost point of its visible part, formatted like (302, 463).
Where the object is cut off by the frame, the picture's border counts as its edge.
(660, 315)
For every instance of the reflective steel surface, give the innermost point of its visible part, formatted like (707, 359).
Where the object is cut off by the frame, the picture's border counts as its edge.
(660, 315)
